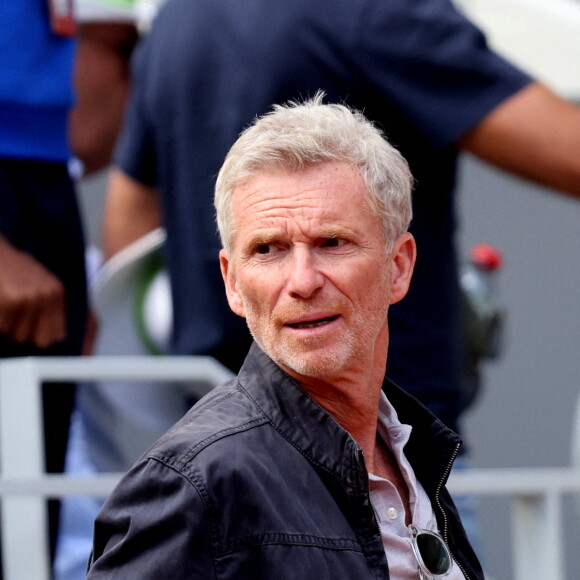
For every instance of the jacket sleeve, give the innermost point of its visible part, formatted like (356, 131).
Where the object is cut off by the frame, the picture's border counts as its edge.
(152, 526)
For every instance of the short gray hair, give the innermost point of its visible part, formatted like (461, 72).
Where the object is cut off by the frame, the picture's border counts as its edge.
(296, 136)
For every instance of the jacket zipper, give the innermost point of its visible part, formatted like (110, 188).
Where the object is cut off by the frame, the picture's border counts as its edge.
(437, 491)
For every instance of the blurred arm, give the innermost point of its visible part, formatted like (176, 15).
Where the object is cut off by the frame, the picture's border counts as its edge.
(131, 211)
(534, 134)
(101, 78)
(32, 305)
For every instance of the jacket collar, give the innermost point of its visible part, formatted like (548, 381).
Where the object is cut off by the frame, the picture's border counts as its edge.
(303, 422)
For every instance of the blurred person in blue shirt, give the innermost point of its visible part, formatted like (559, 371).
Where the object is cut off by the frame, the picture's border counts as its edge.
(43, 302)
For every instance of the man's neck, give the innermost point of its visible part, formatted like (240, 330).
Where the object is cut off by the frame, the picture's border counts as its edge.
(353, 401)
(351, 394)
(355, 407)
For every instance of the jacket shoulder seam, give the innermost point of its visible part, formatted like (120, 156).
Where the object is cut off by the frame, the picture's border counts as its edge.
(181, 461)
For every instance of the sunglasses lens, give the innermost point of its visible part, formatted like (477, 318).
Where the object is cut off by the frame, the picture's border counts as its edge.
(435, 556)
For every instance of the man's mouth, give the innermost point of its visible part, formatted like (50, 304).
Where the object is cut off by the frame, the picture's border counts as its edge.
(313, 323)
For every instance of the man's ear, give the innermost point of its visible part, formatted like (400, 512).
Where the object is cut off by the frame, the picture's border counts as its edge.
(403, 258)
(233, 296)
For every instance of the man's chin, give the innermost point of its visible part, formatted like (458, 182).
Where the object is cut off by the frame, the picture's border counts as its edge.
(319, 364)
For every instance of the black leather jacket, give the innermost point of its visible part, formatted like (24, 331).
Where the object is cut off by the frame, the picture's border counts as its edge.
(256, 482)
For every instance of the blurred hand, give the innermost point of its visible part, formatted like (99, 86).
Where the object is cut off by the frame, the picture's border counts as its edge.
(90, 334)
(32, 307)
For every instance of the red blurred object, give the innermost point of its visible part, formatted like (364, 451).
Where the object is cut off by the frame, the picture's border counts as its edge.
(62, 18)
(487, 256)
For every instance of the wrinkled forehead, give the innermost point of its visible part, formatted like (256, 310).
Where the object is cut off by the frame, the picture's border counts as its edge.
(320, 200)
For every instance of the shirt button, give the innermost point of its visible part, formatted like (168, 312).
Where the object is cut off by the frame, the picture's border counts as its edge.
(392, 513)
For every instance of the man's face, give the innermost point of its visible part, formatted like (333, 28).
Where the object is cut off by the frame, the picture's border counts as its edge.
(309, 270)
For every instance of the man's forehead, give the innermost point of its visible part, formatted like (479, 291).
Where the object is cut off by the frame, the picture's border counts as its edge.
(325, 200)
(299, 190)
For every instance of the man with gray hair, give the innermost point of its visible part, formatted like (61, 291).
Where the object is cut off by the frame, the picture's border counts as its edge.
(301, 467)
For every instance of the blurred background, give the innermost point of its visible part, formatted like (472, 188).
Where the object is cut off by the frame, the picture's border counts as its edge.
(525, 415)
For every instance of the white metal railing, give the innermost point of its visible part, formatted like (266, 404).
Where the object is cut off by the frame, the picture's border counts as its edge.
(23, 483)
(536, 512)
(536, 494)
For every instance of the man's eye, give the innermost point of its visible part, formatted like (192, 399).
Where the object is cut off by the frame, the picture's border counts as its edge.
(331, 243)
(264, 249)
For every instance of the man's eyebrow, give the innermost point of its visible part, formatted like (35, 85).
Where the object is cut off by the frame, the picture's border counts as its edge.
(260, 238)
(334, 232)
(325, 232)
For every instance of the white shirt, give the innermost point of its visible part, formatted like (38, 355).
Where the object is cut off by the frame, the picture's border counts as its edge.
(389, 508)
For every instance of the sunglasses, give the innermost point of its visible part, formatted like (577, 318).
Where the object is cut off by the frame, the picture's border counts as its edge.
(432, 554)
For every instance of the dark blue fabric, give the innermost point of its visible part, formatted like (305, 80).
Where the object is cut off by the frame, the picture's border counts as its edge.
(417, 68)
(39, 215)
(258, 482)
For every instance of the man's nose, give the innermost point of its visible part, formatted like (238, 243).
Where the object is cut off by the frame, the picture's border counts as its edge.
(304, 276)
